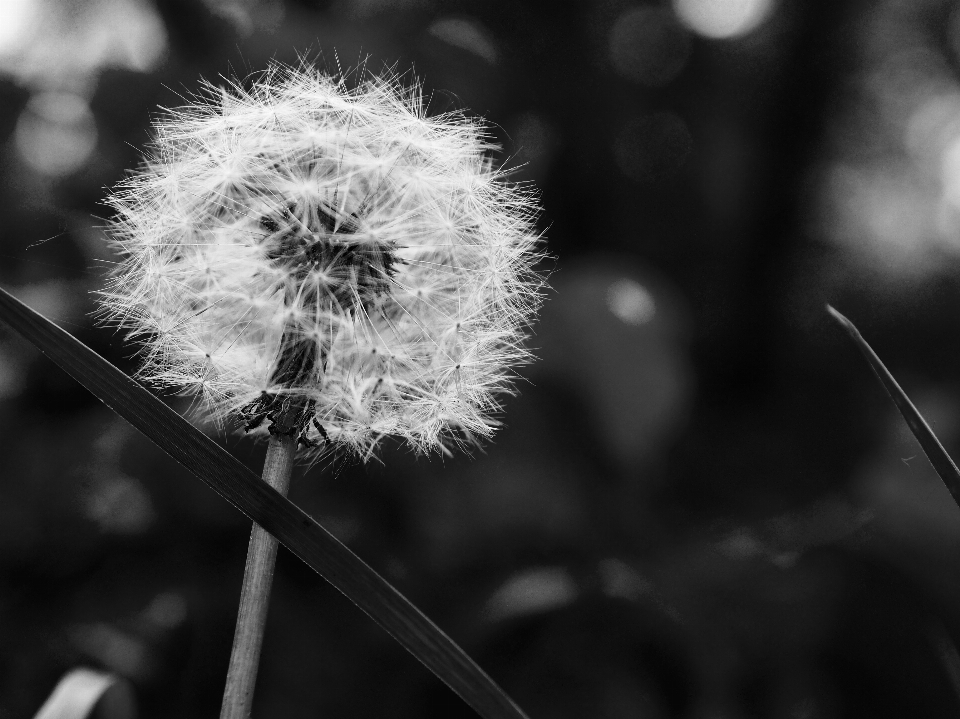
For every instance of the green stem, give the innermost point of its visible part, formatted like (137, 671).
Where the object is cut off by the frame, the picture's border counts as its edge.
(255, 595)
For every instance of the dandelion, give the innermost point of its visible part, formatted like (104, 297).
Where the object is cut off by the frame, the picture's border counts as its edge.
(329, 266)
(327, 262)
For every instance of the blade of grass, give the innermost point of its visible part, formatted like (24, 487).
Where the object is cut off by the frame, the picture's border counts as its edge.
(288, 523)
(918, 425)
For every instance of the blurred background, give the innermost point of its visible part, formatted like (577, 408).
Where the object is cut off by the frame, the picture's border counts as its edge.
(701, 505)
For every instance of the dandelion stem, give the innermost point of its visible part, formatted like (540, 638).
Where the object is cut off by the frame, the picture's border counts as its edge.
(255, 594)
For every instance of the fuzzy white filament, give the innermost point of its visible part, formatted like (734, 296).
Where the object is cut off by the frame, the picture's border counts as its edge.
(330, 253)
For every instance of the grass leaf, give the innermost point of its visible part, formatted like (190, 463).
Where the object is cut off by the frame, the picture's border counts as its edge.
(288, 523)
(918, 425)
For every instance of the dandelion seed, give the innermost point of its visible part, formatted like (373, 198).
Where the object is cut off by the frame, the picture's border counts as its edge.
(327, 262)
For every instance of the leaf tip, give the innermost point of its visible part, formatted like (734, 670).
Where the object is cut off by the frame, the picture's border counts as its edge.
(836, 315)
(843, 321)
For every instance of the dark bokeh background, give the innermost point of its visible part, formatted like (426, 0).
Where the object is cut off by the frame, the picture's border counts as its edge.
(701, 504)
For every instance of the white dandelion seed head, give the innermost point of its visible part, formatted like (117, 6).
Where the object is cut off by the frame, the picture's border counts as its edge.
(301, 240)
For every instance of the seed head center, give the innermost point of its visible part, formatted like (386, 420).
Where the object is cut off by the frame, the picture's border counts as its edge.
(356, 269)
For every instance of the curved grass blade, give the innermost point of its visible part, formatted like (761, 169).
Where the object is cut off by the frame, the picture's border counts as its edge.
(918, 425)
(288, 523)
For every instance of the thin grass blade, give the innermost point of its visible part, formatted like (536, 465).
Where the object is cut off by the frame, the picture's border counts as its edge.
(918, 425)
(288, 523)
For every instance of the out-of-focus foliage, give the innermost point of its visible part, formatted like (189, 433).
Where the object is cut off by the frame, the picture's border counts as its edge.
(891, 185)
(700, 505)
(85, 694)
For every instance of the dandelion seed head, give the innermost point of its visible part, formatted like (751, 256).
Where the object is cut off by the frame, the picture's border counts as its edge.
(301, 241)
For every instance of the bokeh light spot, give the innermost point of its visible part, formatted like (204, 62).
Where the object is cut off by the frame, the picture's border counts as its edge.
(721, 19)
(56, 133)
(139, 40)
(631, 302)
(648, 46)
(249, 15)
(119, 504)
(167, 610)
(51, 44)
(653, 148)
(466, 34)
(951, 174)
(15, 19)
(930, 127)
(530, 592)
